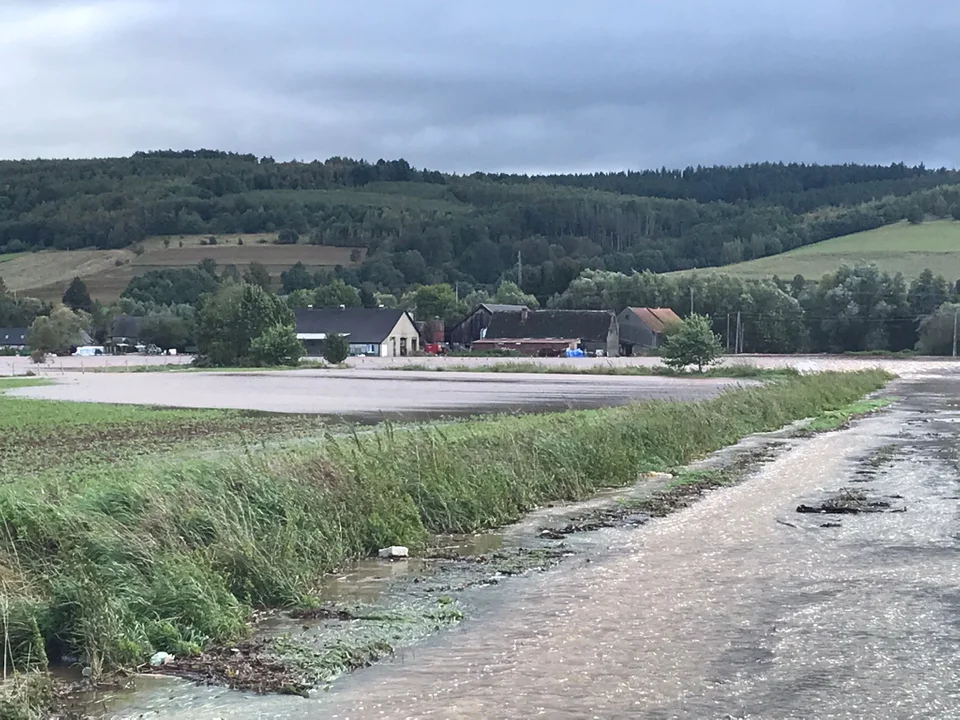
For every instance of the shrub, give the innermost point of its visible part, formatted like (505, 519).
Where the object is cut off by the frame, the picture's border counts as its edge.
(335, 349)
(693, 343)
(277, 345)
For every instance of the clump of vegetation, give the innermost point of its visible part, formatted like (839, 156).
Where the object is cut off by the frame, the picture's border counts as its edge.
(838, 417)
(76, 297)
(58, 332)
(243, 324)
(336, 348)
(116, 561)
(693, 343)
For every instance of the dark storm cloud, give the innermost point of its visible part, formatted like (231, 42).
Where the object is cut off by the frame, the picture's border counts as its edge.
(537, 85)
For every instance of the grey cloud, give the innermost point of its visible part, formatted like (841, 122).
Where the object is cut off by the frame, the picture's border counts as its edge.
(533, 86)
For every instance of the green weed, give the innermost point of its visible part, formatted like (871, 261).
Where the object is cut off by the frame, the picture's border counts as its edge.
(833, 419)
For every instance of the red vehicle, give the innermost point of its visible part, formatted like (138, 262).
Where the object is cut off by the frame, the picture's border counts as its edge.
(433, 348)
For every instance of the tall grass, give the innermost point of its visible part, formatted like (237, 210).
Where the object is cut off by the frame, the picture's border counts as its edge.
(114, 563)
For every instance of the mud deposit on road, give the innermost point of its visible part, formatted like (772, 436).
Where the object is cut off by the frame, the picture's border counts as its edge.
(734, 606)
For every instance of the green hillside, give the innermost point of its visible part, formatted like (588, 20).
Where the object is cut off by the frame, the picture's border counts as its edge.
(904, 248)
(388, 226)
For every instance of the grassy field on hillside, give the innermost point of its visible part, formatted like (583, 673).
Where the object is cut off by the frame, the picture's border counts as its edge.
(895, 248)
(46, 274)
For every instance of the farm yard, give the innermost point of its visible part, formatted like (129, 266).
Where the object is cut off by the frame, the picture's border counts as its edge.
(47, 273)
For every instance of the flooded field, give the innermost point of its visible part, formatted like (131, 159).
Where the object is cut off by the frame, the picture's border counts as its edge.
(372, 394)
(737, 606)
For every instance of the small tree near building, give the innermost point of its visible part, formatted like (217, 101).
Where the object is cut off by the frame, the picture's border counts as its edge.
(693, 343)
(277, 345)
(58, 332)
(336, 348)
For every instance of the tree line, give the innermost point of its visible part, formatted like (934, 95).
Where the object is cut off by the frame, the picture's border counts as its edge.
(855, 309)
(421, 227)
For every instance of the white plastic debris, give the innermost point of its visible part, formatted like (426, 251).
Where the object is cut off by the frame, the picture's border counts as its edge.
(393, 552)
(161, 658)
(653, 475)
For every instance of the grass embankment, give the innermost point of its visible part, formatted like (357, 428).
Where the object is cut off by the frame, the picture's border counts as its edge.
(111, 563)
(531, 367)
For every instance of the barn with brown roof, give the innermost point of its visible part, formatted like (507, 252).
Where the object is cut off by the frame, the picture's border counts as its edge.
(643, 329)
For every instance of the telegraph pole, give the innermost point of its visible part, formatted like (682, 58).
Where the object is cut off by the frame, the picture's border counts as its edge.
(728, 333)
(737, 343)
(955, 313)
(691, 299)
(519, 271)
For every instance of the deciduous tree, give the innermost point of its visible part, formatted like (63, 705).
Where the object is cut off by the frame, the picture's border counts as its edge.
(693, 343)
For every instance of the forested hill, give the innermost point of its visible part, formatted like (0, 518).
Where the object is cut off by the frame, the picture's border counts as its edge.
(422, 226)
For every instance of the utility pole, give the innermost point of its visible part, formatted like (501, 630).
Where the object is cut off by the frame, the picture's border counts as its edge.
(519, 270)
(691, 299)
(737, 343)
(728, 333)
(456, 290)
(955, 313)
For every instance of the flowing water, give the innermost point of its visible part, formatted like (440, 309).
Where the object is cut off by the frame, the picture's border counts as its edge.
(737, 607)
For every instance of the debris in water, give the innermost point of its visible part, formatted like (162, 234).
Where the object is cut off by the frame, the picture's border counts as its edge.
(161, 658)
(849, 502)
(394, 552)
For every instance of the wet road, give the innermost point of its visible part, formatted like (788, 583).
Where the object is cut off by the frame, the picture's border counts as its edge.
(373, 393)
(735, 607)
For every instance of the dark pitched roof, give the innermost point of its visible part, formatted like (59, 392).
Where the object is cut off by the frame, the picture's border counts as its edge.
(363, 325)
(657, 319)
(492, 308)
(13, 336)
(586, 325)
(500, 307)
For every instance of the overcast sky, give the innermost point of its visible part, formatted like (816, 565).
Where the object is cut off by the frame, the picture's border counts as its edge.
(516, 85)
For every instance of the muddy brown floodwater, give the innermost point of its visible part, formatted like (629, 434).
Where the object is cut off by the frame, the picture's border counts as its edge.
(736, 607)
